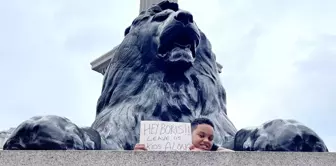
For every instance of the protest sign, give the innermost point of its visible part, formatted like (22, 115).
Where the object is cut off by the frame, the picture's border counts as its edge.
(165, 136)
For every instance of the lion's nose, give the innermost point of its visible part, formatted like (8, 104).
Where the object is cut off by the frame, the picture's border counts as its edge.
(184, 17)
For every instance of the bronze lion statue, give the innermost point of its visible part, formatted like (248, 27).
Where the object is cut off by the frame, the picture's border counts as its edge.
(164, 70)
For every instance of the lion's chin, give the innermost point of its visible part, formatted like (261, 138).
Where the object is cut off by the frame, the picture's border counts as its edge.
(181, 55)
(178, 58)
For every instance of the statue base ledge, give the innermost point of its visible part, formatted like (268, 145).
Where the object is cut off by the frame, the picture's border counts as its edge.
(131, 158)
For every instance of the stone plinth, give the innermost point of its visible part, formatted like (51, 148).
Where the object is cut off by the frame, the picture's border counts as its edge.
(131, 158)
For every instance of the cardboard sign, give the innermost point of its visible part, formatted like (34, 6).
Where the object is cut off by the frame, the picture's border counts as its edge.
(165, 136)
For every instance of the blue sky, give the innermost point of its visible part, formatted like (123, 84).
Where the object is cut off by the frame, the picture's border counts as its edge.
(278, 57)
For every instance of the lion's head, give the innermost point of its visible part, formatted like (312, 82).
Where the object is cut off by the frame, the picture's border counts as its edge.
(169, 36)
(164, 40)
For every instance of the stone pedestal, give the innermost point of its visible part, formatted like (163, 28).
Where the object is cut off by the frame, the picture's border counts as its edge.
(132, 158)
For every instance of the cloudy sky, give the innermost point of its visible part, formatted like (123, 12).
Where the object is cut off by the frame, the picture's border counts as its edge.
(278, 57)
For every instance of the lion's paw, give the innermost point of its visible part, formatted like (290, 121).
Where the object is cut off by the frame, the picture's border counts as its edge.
(279, 135)
(51, 133)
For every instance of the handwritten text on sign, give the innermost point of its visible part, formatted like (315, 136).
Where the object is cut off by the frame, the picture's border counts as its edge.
(165, 136)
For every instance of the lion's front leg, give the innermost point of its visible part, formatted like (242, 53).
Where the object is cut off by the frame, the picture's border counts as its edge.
(52, 133)
(279, 135)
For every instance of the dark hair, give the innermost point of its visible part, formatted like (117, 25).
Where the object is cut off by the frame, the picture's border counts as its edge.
(199, 121)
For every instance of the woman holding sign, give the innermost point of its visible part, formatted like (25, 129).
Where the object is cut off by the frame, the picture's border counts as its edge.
(202, 137)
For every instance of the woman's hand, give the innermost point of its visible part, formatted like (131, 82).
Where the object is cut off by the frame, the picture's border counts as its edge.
(140, 147)
(193, 148)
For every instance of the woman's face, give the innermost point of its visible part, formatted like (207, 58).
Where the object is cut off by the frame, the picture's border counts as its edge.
(202, 136)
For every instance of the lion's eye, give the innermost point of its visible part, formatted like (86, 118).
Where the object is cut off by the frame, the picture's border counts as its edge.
(161, 17)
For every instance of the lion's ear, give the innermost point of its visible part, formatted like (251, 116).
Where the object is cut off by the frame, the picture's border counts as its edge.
(127, 30)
